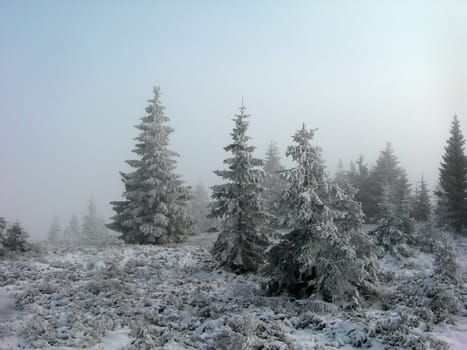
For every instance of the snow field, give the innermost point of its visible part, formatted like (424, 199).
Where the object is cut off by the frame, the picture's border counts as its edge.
(174, 297)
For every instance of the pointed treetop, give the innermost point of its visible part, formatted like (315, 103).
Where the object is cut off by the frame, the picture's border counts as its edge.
(242, 110)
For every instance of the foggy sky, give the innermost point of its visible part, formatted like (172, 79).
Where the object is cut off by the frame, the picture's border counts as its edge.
(75, 78)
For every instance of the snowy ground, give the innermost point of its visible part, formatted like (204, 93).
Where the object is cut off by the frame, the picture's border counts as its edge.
(139, 297)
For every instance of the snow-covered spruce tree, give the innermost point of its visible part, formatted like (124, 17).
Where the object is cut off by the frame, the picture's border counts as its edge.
(155, 207)
(422, 209)
(403, 201)
(238, 203)
(274, 184)
(391, 233)
(326, 254)
(55, 230)
(93, 228)
(199, 208)
(452, 192)
(16, 238)
(386, 170)
(445, 292)
(359, 177)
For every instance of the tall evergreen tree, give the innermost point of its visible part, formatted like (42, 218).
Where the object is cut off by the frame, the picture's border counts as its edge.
(274, 183)
(452, 192)
(238, 203)
(55, 230)
(325, 253)
(422, 209)
(155, 207)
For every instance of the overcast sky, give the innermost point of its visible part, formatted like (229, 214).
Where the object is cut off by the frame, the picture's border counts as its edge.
(75, 77)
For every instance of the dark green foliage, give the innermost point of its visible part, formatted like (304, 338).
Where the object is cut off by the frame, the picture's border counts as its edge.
(238, 203)
(452, 193)
(422, 208)
(16, 238)
(359, 177)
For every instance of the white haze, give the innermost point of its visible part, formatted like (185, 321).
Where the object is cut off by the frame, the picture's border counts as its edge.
(75, 77)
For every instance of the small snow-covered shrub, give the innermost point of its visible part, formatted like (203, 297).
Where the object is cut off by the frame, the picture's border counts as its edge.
(400, 331)
(447, 269)
(445, 303)
(390, 237)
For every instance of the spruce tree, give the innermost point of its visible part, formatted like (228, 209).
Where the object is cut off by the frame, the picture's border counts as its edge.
(274, 184)
(238, 203)
(199, 208)
(155, 207)
(342, 176)
(93, 228)
(386, 171)
(422, 209)
(16, 238)
(359, 177)
(452, 194)
(326, 253)
(390, 234)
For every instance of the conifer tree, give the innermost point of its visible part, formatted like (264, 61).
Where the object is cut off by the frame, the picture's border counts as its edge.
(326, 253)
(342, 177)
(391, 233)
(238, 203)
(199, 208)
(274, 184)
(93, 228)
(422, 209)
(452, 194)
(54, 230)
(360, 179)
(16, 238)
(154, 210)
(385, 172)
